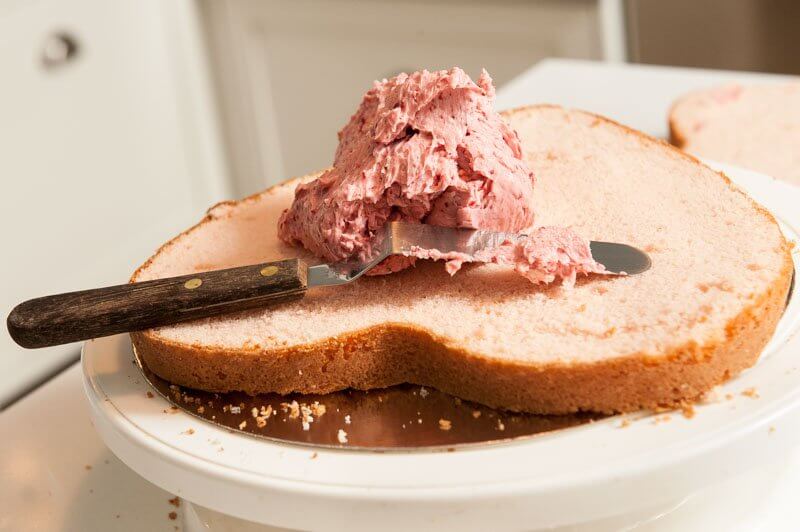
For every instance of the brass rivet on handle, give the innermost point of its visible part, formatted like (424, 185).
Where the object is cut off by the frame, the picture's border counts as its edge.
(268, 271)
(191, 284)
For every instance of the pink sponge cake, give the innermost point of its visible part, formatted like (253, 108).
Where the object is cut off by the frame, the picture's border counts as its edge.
(756, 127)
(429, 147)
(702, 314)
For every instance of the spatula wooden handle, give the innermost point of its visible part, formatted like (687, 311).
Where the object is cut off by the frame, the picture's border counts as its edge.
(65, 318)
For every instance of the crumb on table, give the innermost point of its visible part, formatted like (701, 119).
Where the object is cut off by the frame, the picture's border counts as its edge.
(751, 392)
(445, 424)
(661, 419)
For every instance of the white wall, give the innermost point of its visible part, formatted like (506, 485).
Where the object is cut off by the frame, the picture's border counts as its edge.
(290, 74)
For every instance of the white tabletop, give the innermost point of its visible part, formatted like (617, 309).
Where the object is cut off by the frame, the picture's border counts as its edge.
(48, 441)
(58, 475)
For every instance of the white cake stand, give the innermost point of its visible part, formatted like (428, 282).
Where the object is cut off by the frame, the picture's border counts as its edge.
(711, 472)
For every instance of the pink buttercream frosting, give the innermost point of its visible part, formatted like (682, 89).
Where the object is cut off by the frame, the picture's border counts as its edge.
(428, 147)
(544, 255)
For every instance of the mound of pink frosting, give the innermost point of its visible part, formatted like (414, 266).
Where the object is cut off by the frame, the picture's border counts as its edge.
(429, 147)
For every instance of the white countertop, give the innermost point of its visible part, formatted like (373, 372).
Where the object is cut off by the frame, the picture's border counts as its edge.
(58, 475)
(48, 441)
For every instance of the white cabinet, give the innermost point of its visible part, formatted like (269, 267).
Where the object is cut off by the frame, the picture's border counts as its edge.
(291, 73)
(102, 156)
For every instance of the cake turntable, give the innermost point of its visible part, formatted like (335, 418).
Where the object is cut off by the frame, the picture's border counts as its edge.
(409, 457)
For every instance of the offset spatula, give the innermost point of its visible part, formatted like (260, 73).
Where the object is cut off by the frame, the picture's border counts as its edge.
(74, 316)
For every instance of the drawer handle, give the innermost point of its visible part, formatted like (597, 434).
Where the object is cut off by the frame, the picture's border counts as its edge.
(59, 49)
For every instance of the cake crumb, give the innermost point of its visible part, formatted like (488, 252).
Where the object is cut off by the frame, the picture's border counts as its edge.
(318, 409)
(293, 408)
(728, 396)
(500, 425)
(201, 409)
(347, 419)
(150, 395)
(476, 414)
(175, 501)
(751, 392)
(771, 429)
(445, 424)
(188, 432)
(236, 409)
(624, 423)
(661, 419)
(688, 411)
(423, 392)
(314, 456)
(242, 425)
(254, 412)
(305, 410)
(341, 436)
(172, 515)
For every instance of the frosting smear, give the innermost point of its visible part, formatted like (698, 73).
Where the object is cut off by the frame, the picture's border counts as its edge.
(429, 147)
